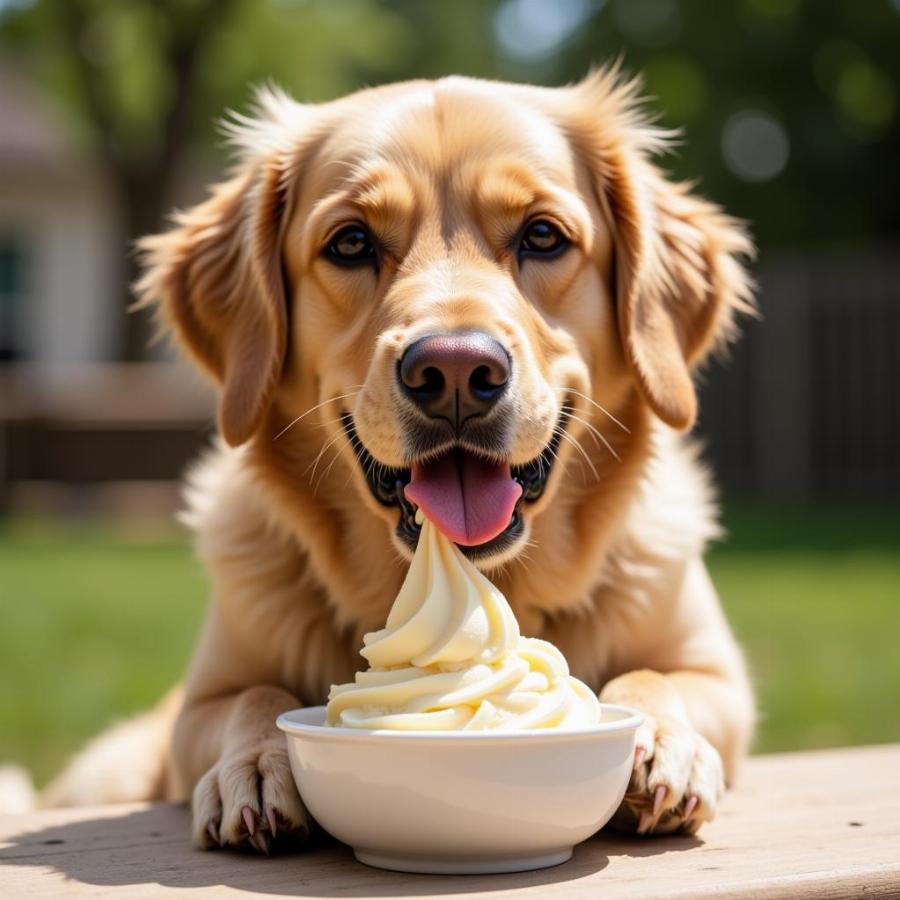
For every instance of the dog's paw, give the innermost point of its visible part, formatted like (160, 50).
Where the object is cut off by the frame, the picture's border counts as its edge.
(249, 801)
(676, 783)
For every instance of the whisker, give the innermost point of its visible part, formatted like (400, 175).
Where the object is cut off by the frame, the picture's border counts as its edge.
(358, 453)
(557, 460)
(602, 409)
(577, 445)
(588, 426)
(324, 474)
(315, 463)
(556, 457)
(327, 422)
(369, 467)
(313, 409)
(596, 433)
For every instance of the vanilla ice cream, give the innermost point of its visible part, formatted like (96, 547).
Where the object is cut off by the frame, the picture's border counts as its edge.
(450, 657)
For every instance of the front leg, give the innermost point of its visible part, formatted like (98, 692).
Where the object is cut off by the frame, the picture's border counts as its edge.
(231, 751)
(678, 774)
(699, 713)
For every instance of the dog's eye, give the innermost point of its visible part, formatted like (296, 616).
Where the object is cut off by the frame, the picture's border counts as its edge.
(351, 246)
(542, 238)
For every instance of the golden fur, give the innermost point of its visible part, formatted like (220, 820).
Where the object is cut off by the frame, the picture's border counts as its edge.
(302, 559)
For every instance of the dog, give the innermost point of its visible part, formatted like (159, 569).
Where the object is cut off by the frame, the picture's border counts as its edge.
(492, 277)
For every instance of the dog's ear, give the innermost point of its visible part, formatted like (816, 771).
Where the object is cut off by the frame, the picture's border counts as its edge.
(216, 276)
(678, 272)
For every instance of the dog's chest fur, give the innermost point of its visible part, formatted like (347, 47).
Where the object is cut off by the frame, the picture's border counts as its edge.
(307, 601)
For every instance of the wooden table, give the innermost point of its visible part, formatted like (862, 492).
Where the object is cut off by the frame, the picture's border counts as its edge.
(818, 825)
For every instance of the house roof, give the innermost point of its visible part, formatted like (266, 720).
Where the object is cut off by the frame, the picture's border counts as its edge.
(36, 135)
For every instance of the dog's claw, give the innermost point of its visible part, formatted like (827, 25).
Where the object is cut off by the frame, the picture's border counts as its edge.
(260, 840)
(659, 797)
(690, 805)
(272, 820)
(213, 832)
(249, 817)
(645, 826)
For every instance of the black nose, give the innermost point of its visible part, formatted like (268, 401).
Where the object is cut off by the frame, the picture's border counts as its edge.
(454, 376)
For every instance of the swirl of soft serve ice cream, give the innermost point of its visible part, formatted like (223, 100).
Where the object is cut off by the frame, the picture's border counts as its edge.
(450, 657)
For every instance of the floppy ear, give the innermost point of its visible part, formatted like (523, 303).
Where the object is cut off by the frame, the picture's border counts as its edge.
(217, 278)
(679, 279)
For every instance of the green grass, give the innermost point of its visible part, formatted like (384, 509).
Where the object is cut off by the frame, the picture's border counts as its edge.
(97, 622)
(814, 597)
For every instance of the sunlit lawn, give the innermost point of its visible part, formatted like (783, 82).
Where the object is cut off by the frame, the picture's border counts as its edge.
(815, 599)
(96, 622)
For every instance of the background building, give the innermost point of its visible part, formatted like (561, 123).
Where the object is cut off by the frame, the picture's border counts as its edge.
(59, 256)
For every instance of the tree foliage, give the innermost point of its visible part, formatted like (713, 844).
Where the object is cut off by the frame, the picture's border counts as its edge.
(790, 107)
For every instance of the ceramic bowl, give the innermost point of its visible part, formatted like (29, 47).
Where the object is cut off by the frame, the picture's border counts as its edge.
(459, 801)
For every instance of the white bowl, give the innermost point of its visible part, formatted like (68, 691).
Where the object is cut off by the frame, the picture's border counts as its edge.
(460, 801)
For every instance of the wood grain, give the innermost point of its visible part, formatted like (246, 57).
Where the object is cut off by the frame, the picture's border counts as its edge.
(819, 825)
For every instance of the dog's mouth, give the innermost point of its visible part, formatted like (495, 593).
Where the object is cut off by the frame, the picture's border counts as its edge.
(474, 499)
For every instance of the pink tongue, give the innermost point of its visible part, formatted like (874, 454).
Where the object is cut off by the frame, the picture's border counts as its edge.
(470, 499)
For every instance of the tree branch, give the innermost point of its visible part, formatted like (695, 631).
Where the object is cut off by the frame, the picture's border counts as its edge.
(183, 55)
(74, 19)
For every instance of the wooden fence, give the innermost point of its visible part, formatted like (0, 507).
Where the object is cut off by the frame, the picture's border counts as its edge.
(808, 405)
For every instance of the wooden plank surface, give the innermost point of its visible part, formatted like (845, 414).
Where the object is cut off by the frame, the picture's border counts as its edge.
(818, 825)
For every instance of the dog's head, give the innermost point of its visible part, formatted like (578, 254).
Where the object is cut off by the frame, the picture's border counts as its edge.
(464, 290)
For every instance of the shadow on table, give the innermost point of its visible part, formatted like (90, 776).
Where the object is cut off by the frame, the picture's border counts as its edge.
(151, 846)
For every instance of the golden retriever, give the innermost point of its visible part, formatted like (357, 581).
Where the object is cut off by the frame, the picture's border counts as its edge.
(483, 278)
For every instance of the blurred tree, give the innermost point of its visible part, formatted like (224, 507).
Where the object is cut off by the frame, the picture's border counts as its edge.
(790, 106)
(146, 80)
(129, 70)
(140, 120)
